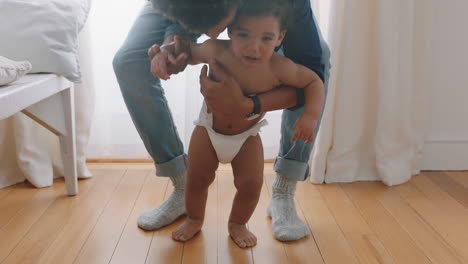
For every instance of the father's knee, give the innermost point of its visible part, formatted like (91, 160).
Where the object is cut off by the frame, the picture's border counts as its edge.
(119, 63)
(133, 71)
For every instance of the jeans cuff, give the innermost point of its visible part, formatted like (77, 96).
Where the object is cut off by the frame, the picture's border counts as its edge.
(292, 169)
(173, 167)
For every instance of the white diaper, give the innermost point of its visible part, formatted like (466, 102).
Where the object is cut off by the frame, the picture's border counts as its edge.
(226, 146)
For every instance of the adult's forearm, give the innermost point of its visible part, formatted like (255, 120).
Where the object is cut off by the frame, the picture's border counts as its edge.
(279, 98)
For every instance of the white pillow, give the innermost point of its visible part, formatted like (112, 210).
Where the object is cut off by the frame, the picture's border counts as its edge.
(11, 71)
(44, 32)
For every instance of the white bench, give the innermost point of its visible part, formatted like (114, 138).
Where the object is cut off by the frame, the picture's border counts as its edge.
(47, 99)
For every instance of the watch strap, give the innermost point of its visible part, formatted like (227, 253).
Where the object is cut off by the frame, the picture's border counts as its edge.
(256, 108)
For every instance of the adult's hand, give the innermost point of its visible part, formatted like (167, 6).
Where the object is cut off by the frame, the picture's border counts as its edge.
(224, 95)
(170, 58)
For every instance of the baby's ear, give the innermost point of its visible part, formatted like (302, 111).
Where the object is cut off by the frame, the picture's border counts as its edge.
(281, 37)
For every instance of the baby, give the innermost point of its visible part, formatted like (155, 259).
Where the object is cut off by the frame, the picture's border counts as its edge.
(249, 57)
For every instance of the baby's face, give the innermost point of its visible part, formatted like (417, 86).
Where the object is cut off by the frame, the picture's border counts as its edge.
(254, 38)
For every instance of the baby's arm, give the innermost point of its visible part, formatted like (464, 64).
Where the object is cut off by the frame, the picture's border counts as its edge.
(204, 52)
(299, 76)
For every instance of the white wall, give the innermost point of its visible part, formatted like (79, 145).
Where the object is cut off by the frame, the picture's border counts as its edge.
(442, 56)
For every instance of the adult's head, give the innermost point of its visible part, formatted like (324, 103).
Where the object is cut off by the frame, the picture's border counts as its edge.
(280, 9)
(200, 16)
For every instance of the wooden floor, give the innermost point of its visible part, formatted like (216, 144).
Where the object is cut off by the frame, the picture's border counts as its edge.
(423, 221)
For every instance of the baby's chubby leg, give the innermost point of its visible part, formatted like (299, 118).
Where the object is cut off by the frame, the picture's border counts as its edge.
(248, 179)
(202, 164)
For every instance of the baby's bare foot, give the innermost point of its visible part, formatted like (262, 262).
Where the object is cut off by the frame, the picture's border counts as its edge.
(241, 235)
(187, 230)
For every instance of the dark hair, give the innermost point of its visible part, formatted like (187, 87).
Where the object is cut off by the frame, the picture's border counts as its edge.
(199, 15)
(281, 9)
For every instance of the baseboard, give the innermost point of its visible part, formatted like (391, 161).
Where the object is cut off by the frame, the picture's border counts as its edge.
(142, 160)
(443, 154)
(117, 160)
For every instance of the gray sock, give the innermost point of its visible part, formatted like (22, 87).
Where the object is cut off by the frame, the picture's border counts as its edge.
(286, 224)
(171, 209)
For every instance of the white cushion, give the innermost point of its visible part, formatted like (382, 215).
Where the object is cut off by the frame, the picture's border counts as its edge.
(11, 71)
(44, 32)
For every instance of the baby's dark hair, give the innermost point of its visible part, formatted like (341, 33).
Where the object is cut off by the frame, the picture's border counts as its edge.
(282, 9)
(195, 15)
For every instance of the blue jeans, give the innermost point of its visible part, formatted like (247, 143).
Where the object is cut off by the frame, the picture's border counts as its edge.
(148, 107)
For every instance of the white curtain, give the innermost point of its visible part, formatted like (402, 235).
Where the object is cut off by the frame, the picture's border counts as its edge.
(373, 125)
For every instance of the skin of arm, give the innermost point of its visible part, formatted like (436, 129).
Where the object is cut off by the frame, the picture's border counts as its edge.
(279, 98)
(203, 53)
(297, 75)
(226, 100)
(225, 96)
(169, 58)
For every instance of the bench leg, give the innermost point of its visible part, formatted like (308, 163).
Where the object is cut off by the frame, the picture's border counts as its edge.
(67, 143)
(57, 113)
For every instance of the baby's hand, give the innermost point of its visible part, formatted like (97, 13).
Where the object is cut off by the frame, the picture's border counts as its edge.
(304, 129)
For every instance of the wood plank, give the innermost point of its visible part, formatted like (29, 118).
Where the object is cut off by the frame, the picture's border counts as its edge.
(121, 166)
(303, 251)
(268, 249)
(431, 243)
(16, 200)
(228, 251)
(453, 188)
(435, 217)
(441, 211)
(134, 244)
(45, 230)
(203, 247)
(20, 224)
(6, 190)
(395, 239)
(68, 243)
(163, 248)
(119, 160)
(330, 240)
(367, 246)
(460, 177)
(103, 239)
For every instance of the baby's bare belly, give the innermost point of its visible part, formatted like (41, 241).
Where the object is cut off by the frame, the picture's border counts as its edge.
(232, 126)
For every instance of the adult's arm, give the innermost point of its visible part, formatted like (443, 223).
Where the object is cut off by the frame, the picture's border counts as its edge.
(302, 43)
(174, 58)
(225, 96)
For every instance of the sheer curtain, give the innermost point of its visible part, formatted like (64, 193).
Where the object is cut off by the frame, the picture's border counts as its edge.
(373, 125)
(113, 133)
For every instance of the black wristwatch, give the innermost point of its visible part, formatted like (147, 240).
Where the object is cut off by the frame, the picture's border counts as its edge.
(256, 109)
